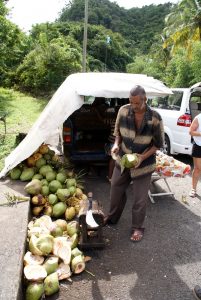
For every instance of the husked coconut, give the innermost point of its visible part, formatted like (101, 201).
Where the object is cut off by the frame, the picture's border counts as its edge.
(70, 213)
(33, 187)
(37, 210)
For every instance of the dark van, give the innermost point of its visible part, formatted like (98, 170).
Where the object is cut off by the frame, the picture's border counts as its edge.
(86, 131)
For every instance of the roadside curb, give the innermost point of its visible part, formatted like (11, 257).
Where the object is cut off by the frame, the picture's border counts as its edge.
(13, 232)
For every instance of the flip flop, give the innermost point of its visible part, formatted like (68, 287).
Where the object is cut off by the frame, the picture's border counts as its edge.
(137, 235)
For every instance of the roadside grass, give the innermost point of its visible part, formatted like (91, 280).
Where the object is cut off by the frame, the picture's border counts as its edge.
(21, 113)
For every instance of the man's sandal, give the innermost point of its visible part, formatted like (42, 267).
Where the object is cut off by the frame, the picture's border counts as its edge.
(137, 235)
(192, 193)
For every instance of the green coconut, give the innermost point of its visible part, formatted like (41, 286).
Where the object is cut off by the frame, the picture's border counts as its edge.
(15, 173)
(40, 162)
(45, 169)
(50, 176)
(59, 209)
(45, 190)
(74, 240)
(72, 228)
(63, 194)
(52, 199)
(27, 174)
(70, 182)
(44, 182)
(54, 185)
(129, 160)
(37, 176)
(51, 284)
(61, 177)
(51, 264)
(45, 243)
(34, 291)
(75, 252)
(72, 190)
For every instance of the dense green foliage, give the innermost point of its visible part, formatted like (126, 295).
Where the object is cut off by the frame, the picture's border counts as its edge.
(137, 25)
(159, 40)
(14, 46)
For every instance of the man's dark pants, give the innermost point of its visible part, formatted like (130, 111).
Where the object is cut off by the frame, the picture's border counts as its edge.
(140, 188)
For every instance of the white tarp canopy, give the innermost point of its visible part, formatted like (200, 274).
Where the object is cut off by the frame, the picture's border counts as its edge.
(69, 97)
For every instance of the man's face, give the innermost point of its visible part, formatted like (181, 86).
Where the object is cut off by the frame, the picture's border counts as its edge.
(138, 103)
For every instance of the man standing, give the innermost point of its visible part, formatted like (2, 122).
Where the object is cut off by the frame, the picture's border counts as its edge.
(139, 130)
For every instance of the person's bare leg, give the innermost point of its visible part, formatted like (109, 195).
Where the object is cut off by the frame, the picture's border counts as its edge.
(195, 175)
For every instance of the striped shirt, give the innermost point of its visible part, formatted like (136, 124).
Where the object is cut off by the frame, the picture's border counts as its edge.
(150, 133)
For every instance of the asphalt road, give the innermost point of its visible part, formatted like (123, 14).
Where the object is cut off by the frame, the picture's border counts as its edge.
(165, 265)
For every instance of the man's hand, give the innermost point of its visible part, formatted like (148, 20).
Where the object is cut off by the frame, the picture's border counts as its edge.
(115, 149)
(140, 159)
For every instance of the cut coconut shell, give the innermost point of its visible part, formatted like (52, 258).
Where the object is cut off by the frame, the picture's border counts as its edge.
(34, 291)
(51, 284)
(62, 249)
(63, 271)
(33, 246)
(31, 259)
(51, 264)
(35, 273)
(78, 264)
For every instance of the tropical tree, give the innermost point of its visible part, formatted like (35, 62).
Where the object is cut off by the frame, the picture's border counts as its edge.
(196, 62)
(47, 66)
(14, 46)
(183, 25)
(179, 71)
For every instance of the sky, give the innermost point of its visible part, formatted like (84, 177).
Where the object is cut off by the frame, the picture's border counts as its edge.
(26, 13)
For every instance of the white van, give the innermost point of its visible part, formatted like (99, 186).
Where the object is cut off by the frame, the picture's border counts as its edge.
(178, 111)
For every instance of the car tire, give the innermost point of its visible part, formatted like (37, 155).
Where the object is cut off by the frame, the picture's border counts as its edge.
(167, 145)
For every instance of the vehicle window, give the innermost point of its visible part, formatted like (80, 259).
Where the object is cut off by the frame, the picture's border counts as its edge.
(171, 102)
